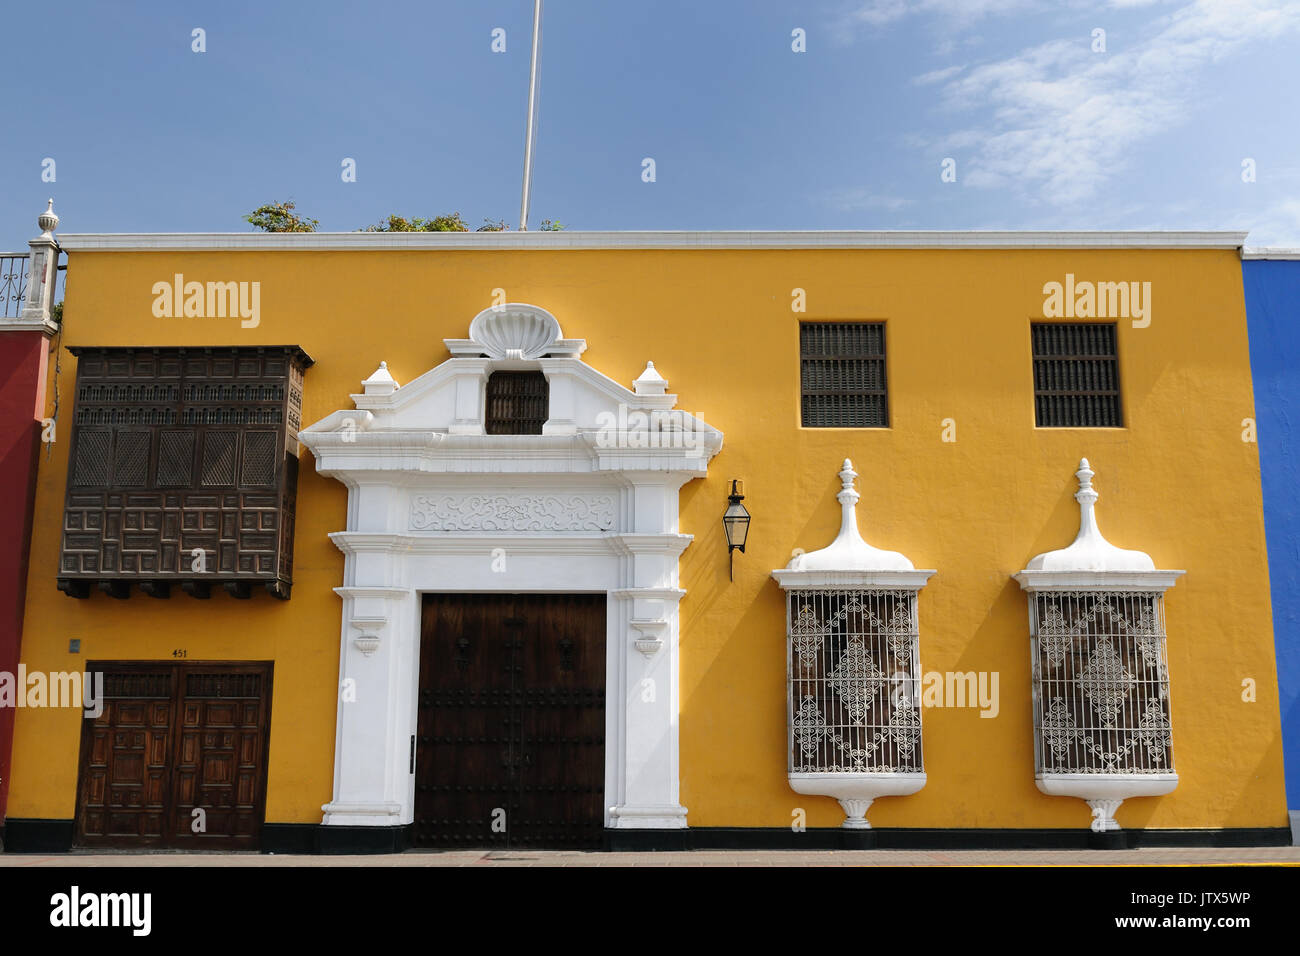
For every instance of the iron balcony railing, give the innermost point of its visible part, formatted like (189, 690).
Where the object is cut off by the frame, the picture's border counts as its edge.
(15, 269)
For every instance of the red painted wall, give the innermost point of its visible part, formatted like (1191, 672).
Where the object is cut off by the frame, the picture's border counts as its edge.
(23, 362)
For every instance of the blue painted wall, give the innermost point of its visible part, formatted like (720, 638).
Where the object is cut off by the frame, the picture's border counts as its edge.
(1273, 314)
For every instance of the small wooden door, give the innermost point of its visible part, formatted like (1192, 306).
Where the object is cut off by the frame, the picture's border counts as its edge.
(173, 739)
(511, 734)
(123, 795)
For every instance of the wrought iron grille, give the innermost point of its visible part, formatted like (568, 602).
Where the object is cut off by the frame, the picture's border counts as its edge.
(1076, 375)
(1101, 683)
(15, 268)
(518, 403)
(854, 703)
(842, 375)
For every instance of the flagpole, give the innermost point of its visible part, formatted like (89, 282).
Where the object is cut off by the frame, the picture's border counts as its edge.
(532, 115)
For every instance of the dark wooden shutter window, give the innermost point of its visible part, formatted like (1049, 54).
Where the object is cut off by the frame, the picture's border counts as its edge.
(219, 458)
(842, 375)
(91, 466)
(259, 459)
(518, 403)
(175, 459)
(1076, 375)
(131, 458)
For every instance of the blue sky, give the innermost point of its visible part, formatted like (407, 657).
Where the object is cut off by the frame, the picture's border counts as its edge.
(1046, 133)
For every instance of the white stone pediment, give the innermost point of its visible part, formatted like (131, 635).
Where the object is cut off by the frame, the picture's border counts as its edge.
(436, 421)
(1091, 562)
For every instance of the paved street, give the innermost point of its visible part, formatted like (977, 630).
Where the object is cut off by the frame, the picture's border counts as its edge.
(1145, 857)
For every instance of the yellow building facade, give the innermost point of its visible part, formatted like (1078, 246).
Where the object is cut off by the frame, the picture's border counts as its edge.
(960, 477)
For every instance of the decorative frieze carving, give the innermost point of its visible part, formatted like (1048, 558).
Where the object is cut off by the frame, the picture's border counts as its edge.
(512, 512)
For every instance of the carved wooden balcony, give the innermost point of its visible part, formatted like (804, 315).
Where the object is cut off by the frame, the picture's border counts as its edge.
(183, 470)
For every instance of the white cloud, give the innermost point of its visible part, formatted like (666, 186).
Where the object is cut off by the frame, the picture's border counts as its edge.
(960, 13)
(938, 76)
(1064, 119)
(877, 13)
(1279, 226)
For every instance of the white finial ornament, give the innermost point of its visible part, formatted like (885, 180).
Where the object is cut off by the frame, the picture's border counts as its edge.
(848, 494)
(1090, 550)
(380, 382)
(48, 221)
(1084, 474)
(849, 551)
(650, 382)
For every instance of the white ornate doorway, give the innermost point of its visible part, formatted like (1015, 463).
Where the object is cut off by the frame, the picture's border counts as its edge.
(587, 500)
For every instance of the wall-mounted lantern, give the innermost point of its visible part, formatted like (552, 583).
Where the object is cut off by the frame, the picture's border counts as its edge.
(735, 521)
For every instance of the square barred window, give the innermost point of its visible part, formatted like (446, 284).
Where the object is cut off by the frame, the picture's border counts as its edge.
(842, 375)
(1076, 375)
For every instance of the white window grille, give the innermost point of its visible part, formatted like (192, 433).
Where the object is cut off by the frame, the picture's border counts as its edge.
(853, 698)
(1101, 683)
(1102, 719)
(854, 679)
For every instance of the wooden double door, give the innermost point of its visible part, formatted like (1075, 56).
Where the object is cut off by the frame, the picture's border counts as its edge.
(174, 739)
(511, 732)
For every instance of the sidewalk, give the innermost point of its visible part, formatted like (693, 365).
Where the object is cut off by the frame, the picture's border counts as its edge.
(1199, 856)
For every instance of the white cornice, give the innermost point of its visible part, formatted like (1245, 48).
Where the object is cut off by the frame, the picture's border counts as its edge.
(372, 542)
(382, 593)
(841, 580)
(415, 453)
(806, 239)
(1270, 252)
(648, 594)
(18, 324)
(1158, 580)
(632, 544)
